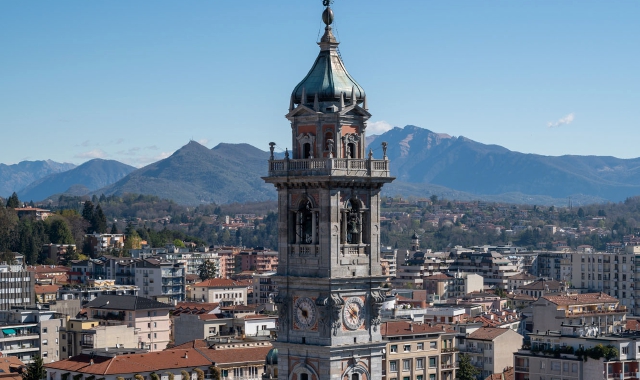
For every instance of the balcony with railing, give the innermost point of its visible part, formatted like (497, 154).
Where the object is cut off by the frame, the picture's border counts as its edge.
(329, 167)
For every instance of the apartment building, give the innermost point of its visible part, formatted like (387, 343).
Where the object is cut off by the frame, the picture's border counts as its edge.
(220, 290)
(578, 352)
(264, 288)
(597, 310)
(16, 286)
(27, 332)
(85, 334)
(441, 287)
(541, 287)
(418, 351)
(150, 318)
(491, 349)
(613, 273)
(258, 261)
(494, 268)
(163, 281)
(555, 265)
(519, 280)
(99, 243)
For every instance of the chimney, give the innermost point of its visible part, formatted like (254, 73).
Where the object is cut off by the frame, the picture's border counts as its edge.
(91, 362)
(411, 326)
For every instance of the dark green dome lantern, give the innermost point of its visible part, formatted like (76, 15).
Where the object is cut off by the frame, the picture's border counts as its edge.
(328, 79)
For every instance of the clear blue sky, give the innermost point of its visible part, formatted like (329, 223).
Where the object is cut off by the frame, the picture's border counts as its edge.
(136, 80)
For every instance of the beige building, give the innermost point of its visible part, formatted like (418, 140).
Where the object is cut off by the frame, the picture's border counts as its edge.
(419, 351)
(219, 290)
(612, 273)
(491, 349)
(82, 334)
(519, 280)
(552, 312)
(442, 286)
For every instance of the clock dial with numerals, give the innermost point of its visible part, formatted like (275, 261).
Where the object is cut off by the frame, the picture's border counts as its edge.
(304, 313)
(353, 313)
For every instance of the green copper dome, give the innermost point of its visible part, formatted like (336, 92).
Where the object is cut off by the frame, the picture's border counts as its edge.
(328, 78)
(272, 357)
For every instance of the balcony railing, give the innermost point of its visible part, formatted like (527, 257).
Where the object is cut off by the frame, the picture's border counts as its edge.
(330, 167)
(449, 349)
(522, 368)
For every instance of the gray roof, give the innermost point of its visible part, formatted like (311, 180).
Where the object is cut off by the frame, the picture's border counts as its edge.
(113, 302)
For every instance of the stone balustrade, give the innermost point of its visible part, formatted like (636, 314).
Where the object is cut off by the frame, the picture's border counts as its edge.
(329, 167)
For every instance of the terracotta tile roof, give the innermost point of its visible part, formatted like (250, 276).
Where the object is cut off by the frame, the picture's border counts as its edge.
(133, 363)
(44, 269)
(508, 374)
(523, 276)
(194, 307)
(397, 328)
(198, 343)
(229, 356)
(633, 325)
(10, 368)
(487, 333)
(208, 317)
(439, 276)
(46, 289)
(520, 297)
(580, 299)
(219, 283)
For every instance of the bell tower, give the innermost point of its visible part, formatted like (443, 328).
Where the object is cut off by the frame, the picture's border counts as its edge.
(329, 271)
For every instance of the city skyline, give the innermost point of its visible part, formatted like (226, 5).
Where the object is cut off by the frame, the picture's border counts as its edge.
(134, 83)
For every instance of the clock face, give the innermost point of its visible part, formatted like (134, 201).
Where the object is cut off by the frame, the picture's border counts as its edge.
(353, 313)
(304, 313)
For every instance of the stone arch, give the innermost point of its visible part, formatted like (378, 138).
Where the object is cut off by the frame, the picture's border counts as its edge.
(303, 369)
(356, 372)
(306, 221)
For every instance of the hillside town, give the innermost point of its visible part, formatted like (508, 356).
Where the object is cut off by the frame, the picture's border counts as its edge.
(335, 280)
(520, 312)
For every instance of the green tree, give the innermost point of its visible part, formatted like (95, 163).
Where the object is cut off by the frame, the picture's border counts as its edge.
(99, 221)
(35, 370)
(87, 211)
(207, 270)
(59, 232)
(13, 201)
(178, 243)
(132, 241)
(466, 370)
(580, 213)
(114, 228)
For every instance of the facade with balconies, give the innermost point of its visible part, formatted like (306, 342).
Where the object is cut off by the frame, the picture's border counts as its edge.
(163, 281)
(418, 351)
(578, 352)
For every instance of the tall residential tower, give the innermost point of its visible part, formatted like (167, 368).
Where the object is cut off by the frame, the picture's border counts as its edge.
(329, 269)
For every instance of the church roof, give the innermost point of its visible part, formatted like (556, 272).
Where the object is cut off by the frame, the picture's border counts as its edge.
(328, 77)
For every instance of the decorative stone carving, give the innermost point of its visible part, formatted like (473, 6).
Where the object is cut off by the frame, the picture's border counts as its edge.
(377, 299)
(330, 144)
(336, 303)
(324, 315)
(306, 138)
(384, 150)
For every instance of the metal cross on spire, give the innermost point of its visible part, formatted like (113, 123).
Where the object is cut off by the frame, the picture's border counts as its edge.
(327, 3)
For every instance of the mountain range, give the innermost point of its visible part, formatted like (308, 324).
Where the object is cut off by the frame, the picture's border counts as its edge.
(91, 175)
(423, 162)
(17, 176)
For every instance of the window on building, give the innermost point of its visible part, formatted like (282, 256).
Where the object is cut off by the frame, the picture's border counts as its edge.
(45, 342)
(432, 376)
(44, 330)
(432, 362)
(625, 350)
(393, 366)
(407, 348)
(420, 346)
(574, 367)
(394, 348)
(419, 363)
(406, 365)
(433, 345)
